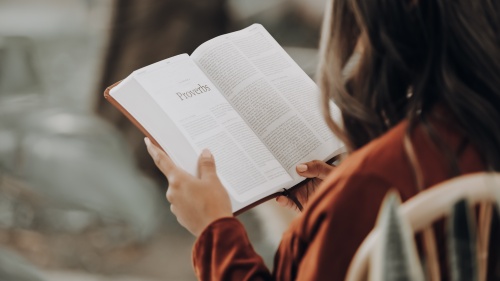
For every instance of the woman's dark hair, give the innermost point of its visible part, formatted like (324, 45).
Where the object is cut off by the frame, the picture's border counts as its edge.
(416, 54)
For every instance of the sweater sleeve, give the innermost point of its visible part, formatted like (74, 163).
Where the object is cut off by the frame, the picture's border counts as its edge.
(333, 229)
(223, 252)
(318, 246)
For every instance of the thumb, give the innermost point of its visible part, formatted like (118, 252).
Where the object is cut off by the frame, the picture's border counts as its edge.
(314, 169)
(206, 165)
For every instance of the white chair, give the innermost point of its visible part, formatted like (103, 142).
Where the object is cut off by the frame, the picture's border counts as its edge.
(433, 204)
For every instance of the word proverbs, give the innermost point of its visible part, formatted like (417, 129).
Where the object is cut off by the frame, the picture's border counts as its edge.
(194, 92)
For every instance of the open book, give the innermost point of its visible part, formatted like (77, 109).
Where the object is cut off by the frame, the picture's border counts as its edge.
(244, 98)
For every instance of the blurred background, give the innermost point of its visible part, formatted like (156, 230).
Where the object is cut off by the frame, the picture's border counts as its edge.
(80, 199)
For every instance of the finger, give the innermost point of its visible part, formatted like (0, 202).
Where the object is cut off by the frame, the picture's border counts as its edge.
(206, 165)
(283, 201)
(169, 195)
(162, 161)
(314, 169)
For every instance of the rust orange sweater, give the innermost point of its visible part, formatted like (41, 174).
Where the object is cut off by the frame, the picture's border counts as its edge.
(321, 242)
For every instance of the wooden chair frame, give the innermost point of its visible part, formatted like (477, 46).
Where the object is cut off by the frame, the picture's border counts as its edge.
(436, 203)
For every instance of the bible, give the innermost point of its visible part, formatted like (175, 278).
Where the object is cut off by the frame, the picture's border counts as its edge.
(244, 98)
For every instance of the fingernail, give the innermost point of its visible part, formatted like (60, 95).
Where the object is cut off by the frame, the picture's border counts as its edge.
(205, 153)
(280, 201)
(151, 149)
(301, 168)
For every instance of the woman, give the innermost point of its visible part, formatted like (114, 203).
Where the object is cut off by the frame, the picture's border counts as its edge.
(421, 106)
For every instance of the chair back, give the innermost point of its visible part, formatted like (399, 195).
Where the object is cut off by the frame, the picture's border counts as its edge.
(436, 203)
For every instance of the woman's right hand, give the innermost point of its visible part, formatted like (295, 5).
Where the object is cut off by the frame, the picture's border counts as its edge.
(317, 171)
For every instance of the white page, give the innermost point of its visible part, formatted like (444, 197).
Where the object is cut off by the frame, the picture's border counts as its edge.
(246, 167)
(273, 95)
(132, 96)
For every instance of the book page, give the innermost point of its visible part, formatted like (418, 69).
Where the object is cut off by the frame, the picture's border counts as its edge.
(245, 166)
(272, 93)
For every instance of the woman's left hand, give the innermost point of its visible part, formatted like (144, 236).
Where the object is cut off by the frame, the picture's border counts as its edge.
(195, 201)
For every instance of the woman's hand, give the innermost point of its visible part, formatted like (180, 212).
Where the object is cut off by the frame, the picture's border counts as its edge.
(195, 201)
(317, 171)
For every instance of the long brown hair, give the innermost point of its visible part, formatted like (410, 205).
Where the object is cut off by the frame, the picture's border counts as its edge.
(416, 53)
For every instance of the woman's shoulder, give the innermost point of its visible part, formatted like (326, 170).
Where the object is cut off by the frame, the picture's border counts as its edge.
(360, 183)
(382, 160)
